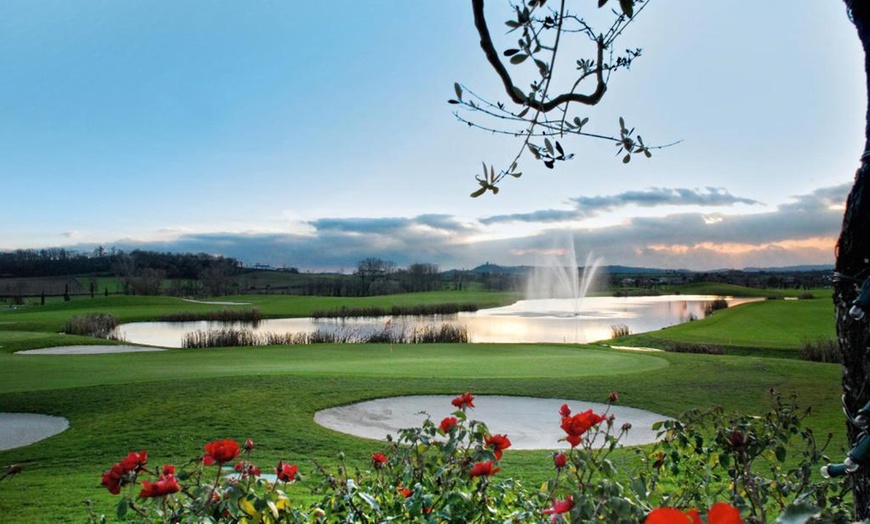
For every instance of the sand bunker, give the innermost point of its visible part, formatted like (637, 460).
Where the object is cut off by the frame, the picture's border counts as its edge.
(87, 350)
(22, 429)
(530, 423)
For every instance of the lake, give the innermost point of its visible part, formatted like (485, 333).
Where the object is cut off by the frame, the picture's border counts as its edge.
(527, 321)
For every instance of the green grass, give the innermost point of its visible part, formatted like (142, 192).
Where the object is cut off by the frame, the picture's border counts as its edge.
(173, 402)
(771, 327)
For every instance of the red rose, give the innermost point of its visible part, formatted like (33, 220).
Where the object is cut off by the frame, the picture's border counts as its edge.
(483, 469)
(565, 411)
(404, 491)
(134, 461)
(249, 445)
(168, 469)
(447, 424)
(464, 400)
(614, 397)
(286, 472)
(379, 459)
(497, 443)
(575, 426)
(560, 460)
(560, 507)
(165, 485)
(220, 451)
(720, 513)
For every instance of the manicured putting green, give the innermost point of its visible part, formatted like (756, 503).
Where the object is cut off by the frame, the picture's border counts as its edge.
(33, 372)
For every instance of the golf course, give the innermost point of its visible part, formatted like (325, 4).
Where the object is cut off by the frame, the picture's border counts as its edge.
(172, 402)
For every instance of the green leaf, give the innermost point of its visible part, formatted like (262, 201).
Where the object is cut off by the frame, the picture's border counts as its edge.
(621, 124)
(451, 101)
(458, 89)
(601, 3)
(798, 514)
(517, 174)
(519, 58)
(510, 52)
(122, 508)
(512, 23)
(370, 500)
(626, 159)
(548, 145)
(627, 7)
(478, 192)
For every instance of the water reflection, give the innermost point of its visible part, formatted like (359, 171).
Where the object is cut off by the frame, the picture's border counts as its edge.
(527, 321)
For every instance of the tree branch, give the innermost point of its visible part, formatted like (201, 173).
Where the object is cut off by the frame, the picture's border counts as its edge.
(516, 94)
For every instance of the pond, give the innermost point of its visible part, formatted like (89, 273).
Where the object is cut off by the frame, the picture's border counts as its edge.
(528, 321)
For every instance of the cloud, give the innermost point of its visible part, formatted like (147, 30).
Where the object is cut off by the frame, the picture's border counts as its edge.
(802, 231)
(586, 207)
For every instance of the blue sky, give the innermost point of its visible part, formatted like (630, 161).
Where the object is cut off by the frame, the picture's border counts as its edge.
(315, 134)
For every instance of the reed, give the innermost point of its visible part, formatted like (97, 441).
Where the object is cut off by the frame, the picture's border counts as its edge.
(821, 350)
(231, 337)
(99, 325)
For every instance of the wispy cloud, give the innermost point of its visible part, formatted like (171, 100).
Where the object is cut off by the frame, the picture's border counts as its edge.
(586, 207)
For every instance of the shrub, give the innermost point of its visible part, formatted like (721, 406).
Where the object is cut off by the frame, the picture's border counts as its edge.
(715, 305)
(99, 325)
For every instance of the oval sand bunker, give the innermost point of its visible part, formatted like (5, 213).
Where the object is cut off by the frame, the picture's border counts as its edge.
(530, 423)
(22, 429)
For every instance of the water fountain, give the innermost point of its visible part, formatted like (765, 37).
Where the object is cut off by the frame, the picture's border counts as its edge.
(556, 286)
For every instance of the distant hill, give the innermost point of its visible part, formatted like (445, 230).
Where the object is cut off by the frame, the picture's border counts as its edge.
(789, 269)
(496, 269)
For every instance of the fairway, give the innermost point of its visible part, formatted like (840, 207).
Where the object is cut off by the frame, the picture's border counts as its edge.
(33, 372)
(170, 403)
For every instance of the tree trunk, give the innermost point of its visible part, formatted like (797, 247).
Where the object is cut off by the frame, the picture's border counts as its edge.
(853, 262)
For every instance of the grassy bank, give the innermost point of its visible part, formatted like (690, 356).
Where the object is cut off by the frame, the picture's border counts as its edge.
(770, 328)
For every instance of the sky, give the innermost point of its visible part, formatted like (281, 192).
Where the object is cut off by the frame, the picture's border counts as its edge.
(316, 134)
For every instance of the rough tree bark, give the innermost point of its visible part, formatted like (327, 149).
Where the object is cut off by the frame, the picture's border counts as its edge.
(853, 260)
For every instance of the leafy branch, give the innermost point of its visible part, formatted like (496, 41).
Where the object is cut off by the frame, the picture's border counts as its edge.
(538, 112)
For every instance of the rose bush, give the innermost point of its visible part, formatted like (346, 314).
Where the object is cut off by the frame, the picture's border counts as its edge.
(451, 472)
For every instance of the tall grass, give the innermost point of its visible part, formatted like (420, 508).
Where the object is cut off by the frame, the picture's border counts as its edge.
(619, 330)
(821, 350)
(420, 334)
(99, 325)
(252, 316)
(396, 311)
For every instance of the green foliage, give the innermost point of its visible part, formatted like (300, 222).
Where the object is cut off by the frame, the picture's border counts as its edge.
(450, 472)
(708, 455)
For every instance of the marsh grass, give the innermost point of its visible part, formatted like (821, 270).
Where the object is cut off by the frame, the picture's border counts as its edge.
(97, 325)
(619, 330)
(420, 334)
(821, 350)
